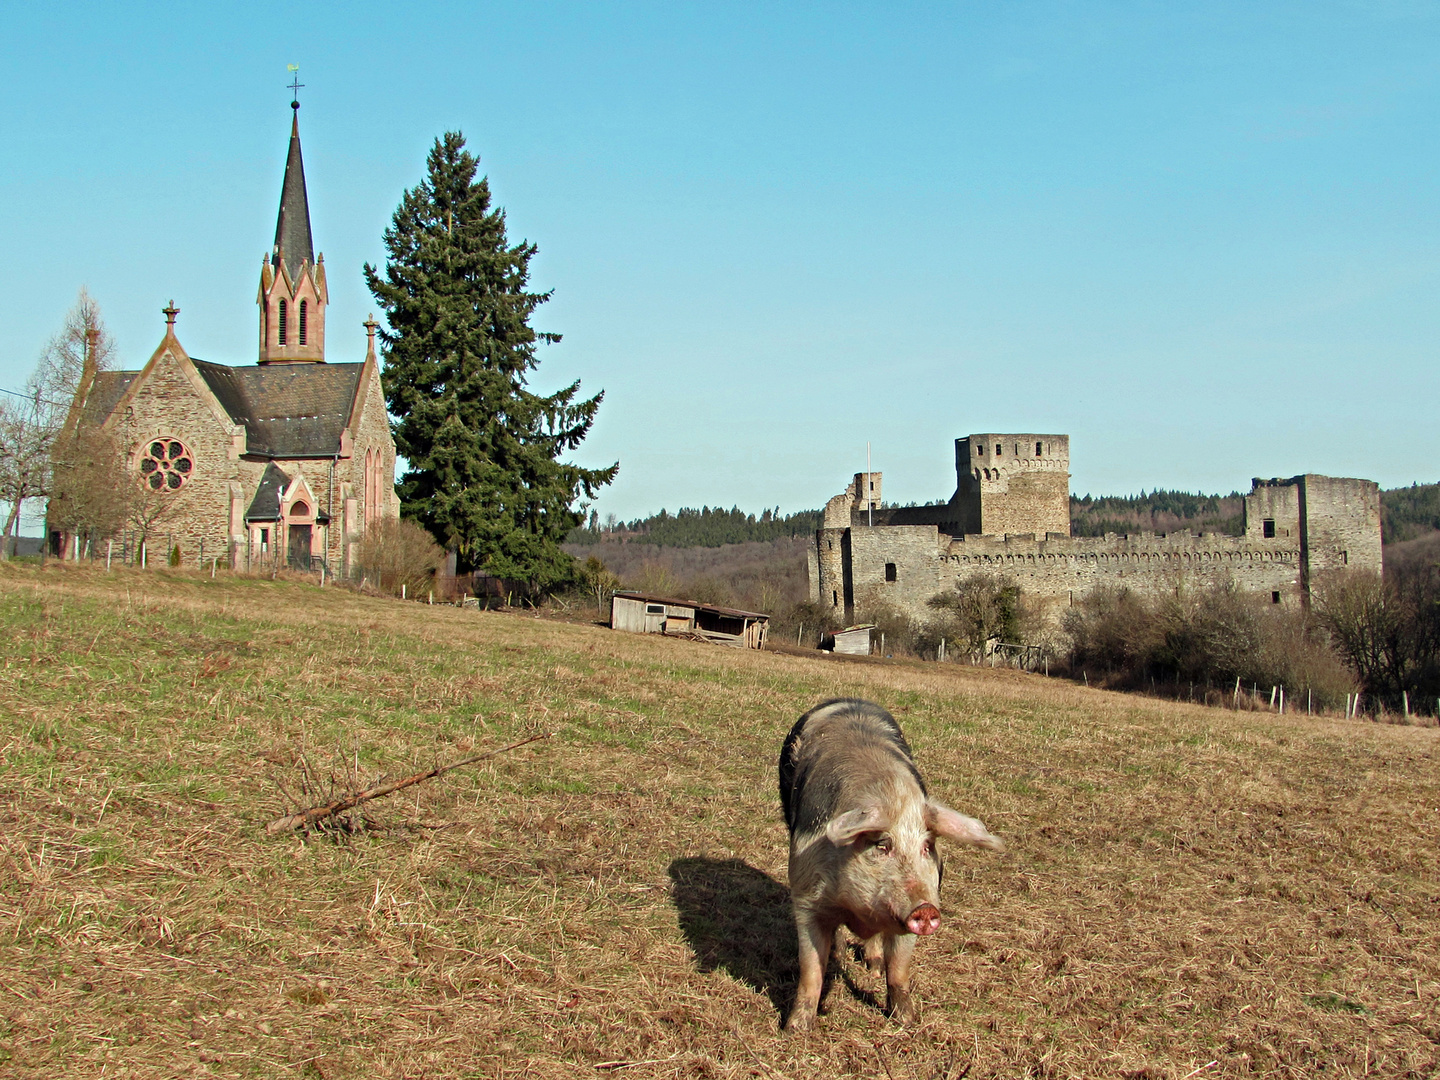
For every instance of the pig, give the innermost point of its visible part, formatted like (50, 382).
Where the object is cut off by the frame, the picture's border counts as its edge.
(862, 847)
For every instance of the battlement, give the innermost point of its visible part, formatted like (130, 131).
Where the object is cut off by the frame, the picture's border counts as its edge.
(1012, 483)
(1010, 514)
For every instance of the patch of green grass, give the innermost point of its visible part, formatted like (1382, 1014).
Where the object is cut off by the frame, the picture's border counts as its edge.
(1335, 1003)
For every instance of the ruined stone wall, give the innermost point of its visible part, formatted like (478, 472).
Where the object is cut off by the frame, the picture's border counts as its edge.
(1059, 571)
(830, 586)
(1012, 483)
(1340, 524)
(1272, 509)
(1295, 529)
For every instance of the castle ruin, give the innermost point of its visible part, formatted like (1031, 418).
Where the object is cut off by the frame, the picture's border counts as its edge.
(1010, 515)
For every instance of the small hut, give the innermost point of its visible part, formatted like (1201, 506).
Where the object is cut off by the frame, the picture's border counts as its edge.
(643, 613)
(853, 640)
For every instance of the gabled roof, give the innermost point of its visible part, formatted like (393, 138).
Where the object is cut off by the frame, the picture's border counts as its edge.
(265, 506)
(105, 393)
(293, 243)
(289, 410)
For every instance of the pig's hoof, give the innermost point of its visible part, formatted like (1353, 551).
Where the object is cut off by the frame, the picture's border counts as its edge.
(902, 1009)
(800, 1022)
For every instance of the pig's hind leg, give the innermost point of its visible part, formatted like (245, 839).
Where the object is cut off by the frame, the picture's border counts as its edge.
(875, 952)
(899, 948)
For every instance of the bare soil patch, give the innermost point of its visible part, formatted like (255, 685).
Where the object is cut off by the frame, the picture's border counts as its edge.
(1188, 892)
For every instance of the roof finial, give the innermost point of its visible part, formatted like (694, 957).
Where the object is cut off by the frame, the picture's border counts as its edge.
(295, 86)
(370, 325)
(170, 311)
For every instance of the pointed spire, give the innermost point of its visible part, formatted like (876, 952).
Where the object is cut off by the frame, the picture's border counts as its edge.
(293, 243)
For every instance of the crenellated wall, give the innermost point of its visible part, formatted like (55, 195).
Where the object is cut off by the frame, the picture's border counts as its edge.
(1295, 528)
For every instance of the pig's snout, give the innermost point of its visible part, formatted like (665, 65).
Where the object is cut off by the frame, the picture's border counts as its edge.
(925, 919)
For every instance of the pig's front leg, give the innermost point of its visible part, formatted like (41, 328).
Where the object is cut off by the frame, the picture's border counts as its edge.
(815, 942)
(899, 948)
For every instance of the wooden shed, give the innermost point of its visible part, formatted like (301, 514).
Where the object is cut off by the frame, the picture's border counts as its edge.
(642, 613)
(853, 640)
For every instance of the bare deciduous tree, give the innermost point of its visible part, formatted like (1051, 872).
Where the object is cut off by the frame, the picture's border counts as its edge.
(54, 398)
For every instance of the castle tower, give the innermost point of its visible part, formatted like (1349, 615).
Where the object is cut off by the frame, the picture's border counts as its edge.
(292, 282)
(1013, 484)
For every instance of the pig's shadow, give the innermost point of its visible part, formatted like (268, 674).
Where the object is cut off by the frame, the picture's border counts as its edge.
(737, 919)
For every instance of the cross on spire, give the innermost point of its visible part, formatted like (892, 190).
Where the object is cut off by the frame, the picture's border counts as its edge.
(295, 86)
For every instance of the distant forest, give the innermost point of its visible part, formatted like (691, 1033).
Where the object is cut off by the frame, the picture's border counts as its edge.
(1406, 513)
(1409, 513)
(1160, 511)
(707, 527)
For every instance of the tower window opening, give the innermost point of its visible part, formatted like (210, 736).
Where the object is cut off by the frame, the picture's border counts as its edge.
(890, 574)
(303, 305)
(1039, 447)
(834, 599)
(1275, 597)
(1267, 528)
(1344, 558)
(998, 449)
(282, 322)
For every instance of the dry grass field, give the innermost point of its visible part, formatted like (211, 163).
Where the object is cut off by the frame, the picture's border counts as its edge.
(1188, 892)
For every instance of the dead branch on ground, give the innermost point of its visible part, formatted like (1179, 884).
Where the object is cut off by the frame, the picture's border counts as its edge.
(305, 818)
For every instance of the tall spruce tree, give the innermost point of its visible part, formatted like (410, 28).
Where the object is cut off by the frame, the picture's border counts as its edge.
(484, 471)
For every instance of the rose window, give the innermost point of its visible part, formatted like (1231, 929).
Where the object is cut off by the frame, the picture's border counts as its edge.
(166, 464)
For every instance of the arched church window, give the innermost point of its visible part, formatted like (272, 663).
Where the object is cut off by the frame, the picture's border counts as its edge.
(282, 322)
(165, 464)
(303, 305)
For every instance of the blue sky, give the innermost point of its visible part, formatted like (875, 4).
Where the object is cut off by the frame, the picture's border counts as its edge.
(1201, 239)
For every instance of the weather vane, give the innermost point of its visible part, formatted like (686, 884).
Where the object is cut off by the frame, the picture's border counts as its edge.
(295, 86)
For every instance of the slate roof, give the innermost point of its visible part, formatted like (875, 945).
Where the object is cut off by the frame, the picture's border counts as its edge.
(293, 243)
(105, 393)
(288, 410)
(265, 506)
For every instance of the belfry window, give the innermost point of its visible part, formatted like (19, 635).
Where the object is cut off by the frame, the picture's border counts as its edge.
(282, 322)
(303, 305)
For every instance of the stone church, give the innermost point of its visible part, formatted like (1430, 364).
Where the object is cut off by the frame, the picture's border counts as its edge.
(1010, 515)
(283, 462)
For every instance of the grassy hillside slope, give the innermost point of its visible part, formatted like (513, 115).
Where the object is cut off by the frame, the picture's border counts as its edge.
(1188, 892)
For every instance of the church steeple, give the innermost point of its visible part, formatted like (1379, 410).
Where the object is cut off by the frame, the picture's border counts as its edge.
(292, 281)
(293, 243)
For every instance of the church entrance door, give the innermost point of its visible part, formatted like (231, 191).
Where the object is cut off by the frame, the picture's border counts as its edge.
(300, 547)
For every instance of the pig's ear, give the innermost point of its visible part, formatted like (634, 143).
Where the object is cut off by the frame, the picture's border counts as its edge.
(953, 825)
(844, 828)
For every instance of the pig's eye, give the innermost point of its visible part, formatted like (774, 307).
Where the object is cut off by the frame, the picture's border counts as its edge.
(884, 845)
(928, 848)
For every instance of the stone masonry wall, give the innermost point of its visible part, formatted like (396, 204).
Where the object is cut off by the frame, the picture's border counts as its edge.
(1013, 483)
(199, 512)
(1340, 524)
(1059, 571)
(1295, 529)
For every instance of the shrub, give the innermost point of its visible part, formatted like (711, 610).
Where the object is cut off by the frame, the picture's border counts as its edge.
(396, 553)
(977, 610)
(599, 582)
(1212, 636)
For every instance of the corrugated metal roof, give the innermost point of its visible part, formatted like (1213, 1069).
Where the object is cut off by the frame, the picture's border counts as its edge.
(734, 613)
